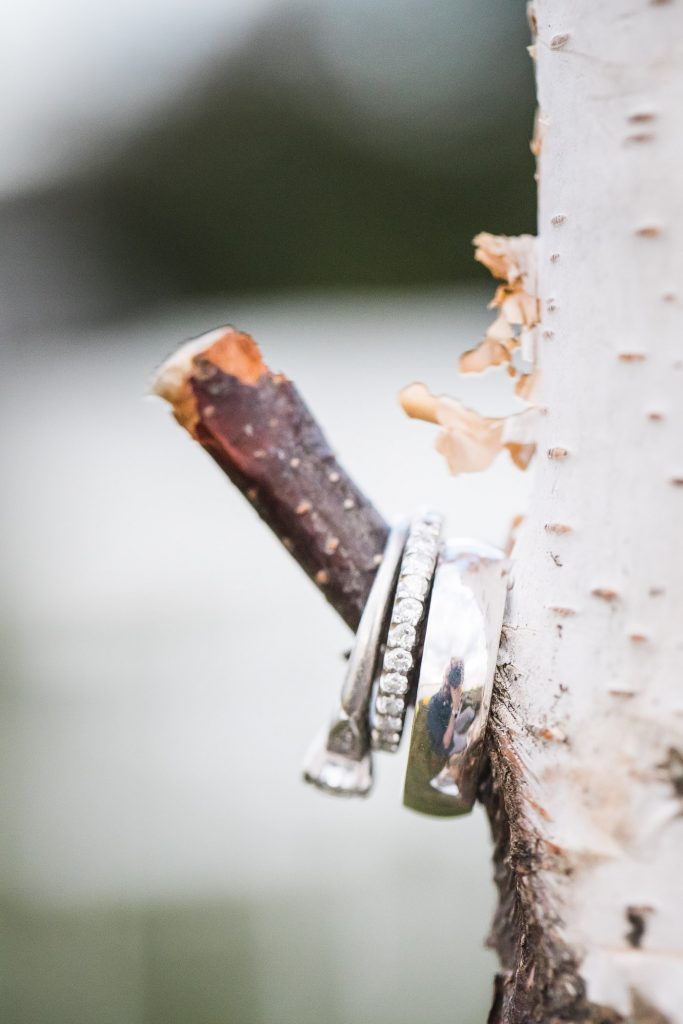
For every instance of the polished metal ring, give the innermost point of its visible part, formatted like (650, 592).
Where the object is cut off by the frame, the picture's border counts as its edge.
(340, 760)
(456, 678)
(406, 630)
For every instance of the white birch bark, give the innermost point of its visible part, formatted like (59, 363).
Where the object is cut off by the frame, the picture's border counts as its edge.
(589, 726)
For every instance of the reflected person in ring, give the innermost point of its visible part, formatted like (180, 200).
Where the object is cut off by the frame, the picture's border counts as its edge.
(447, 723)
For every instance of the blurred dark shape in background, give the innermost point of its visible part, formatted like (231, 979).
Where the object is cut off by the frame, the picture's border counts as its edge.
(354, 146)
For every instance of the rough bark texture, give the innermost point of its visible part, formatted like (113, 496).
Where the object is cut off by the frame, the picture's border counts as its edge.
(258, 429)
(586, 737)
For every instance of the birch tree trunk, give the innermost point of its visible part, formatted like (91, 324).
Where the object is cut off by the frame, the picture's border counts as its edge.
(586, 787)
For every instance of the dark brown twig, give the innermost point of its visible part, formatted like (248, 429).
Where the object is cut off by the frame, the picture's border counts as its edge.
(256, 426)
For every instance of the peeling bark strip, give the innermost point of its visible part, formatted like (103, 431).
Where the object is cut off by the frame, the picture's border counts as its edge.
(256, 426)
(469, 441)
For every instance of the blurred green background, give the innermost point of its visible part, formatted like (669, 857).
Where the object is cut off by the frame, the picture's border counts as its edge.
(312, 172)
(157, 151)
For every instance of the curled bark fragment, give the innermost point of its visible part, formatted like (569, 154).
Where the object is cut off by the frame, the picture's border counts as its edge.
(517, 306)
(488, 352)
(255, 425)
(469, 441)
(526, 387)
(512, 260)
(509, 258)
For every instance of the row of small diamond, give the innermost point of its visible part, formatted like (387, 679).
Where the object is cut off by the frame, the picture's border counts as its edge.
(415, 579)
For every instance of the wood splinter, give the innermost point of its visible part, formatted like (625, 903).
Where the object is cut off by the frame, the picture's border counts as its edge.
(256, 426)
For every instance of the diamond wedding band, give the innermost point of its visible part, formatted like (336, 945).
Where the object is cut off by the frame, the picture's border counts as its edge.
(406, 629)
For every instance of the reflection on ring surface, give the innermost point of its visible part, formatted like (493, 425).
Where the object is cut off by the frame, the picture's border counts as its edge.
(456, 678)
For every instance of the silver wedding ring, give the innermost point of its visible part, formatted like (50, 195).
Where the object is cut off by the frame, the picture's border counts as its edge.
(456, 678)
(340, 761)
(404, 640)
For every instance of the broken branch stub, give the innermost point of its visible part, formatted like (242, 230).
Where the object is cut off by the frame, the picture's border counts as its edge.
(256, 426)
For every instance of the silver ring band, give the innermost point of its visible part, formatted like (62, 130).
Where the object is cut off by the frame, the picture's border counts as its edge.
(340, 761)
(406, 629)
(456, 678)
